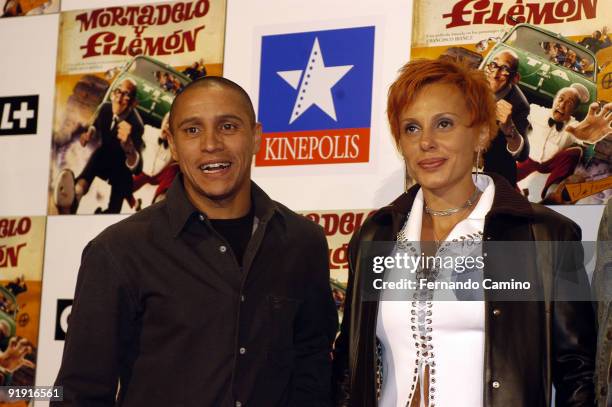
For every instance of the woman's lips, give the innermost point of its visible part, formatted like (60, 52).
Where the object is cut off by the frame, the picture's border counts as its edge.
(431, 163)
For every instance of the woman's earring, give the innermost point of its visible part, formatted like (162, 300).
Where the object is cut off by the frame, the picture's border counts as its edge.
(477, 164)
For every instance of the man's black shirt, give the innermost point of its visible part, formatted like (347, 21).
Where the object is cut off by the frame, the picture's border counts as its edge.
(162, 306)
(237, 232)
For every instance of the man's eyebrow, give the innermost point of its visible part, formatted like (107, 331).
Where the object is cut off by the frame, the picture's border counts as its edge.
(189, 120)
(230, 116)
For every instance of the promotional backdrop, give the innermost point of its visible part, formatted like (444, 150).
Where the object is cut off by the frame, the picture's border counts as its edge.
(317, 72)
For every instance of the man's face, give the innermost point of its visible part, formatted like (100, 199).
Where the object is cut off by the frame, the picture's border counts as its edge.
(122, 97)
(213, 138)
(499, 72)
(571, 56)
(564, 105)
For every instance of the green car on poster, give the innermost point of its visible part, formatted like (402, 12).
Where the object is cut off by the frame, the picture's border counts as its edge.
(8, 312)
(156, 86)
(545, 65)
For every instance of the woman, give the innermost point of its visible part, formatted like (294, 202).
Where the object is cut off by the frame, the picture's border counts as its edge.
(470, 353)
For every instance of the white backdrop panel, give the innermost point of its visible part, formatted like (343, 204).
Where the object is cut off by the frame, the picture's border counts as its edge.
(66, 238)
(28, 49)
(326, 186)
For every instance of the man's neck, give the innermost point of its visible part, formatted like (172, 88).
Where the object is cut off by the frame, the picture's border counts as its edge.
(499, 95)
(232, 207)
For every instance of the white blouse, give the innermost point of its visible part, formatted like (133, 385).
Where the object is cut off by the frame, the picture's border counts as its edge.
(447, 336)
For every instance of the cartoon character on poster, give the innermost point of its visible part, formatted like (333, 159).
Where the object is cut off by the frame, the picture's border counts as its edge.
(21, 258)
(119, 69)
(14, 8)
(548, 70)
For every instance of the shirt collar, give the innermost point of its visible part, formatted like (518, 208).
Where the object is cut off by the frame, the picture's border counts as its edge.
(412, 228)
(181, 210)
(506, 201)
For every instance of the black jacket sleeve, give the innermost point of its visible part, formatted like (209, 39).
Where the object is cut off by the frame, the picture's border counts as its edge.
(573, 325)
(136, 135)
(520, 112)
(98, 327)
(341, 386)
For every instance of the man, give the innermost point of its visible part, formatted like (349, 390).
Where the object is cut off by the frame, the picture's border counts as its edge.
(598, 41)
(120, 128)
(553, 133)
(510, 145)
(216, 296)
(602, 289)
(196, 70)
(572, 62)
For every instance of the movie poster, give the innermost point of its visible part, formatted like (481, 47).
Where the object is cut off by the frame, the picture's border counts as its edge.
(339, 227)
(15, 8)
(21, 260)
(556, 44)
(118, 70)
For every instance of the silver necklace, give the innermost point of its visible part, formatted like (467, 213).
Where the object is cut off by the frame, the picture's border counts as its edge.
(450, 211)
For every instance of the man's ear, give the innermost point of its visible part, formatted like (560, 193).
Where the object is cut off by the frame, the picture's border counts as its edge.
(516, 78)
(257, 138)
(170, 137)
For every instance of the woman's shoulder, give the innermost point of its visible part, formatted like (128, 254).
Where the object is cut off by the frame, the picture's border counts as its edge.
(555, 224)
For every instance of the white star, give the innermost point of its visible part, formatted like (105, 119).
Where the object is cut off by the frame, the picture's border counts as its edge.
(317, 80)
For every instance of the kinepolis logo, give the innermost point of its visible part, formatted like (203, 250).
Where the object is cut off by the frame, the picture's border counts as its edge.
(19, 115)
(64, 307)
(315, 97)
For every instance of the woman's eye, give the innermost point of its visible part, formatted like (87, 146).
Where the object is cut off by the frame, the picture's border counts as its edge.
(191, 130)
(445, 123)
(411, 128)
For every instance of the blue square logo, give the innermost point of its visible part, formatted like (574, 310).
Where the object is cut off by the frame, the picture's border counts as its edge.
(315, 98)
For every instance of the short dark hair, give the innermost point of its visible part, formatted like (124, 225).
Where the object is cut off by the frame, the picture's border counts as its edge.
(219, 81)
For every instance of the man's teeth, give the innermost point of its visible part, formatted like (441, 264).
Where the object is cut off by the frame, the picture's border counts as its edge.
(215, 166)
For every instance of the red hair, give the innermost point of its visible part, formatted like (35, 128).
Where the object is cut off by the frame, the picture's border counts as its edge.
(413, 76)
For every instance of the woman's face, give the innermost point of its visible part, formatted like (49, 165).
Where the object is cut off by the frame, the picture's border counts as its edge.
(435, 139)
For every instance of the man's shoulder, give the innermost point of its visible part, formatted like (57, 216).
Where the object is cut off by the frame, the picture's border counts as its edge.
(135, 230)
(517, 98)
(538, 113)
(136, 120)
(299, 223)
(106, 107)
(105, 111)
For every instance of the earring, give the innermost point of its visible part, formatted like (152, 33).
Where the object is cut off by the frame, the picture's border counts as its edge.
(477, 164)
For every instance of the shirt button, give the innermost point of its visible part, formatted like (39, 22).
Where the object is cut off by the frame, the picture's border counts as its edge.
(238, 404)
(242, 298)
(496, 312)
(495, 384)
(201, 217)
(222, 249)
(242, 351)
